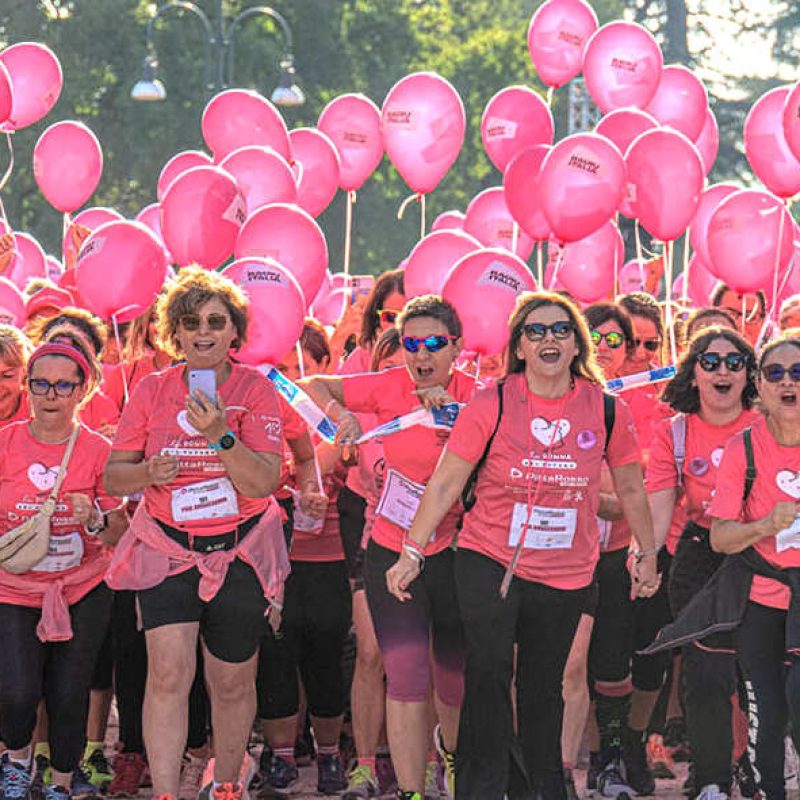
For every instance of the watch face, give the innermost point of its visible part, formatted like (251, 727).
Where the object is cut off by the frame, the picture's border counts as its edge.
(227, 441)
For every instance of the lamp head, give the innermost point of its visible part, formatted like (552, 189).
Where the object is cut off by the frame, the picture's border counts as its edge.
(149, 89)
(287, 92)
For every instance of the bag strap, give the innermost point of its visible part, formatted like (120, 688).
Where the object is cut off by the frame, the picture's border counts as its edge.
(609, 415)
(678, 425)
(750, 471)
(485, 454)
(62, 470)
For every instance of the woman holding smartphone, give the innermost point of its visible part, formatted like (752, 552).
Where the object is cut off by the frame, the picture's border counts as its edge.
(205, 549)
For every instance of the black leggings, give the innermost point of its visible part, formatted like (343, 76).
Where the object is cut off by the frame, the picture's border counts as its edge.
(59, 672)
(316, 618)
(130, 670)
(491, 761)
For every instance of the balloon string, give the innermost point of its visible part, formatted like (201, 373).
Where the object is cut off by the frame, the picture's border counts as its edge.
(119, 352)
(421, 216)
(776, 268)
(787, 275)
(556, 268)
(300, 172)
(66, 224)
(10, 168)
(514, 236)
(540, 264)
(550, 93)
(686, 268)
(638, 239)
(348, 229)
(670, 254)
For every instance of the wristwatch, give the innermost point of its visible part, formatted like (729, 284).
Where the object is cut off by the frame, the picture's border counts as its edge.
(226, 441)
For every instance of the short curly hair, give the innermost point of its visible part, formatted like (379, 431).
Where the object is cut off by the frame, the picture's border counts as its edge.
(190, 290)
(430, 305)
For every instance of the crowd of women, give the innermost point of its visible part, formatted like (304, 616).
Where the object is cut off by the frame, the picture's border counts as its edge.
(535, 565)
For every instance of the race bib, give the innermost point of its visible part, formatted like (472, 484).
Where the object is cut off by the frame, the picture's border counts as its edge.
(545, 528)
(64, 552)
(400, 499)
(204, 500)
(788, 537)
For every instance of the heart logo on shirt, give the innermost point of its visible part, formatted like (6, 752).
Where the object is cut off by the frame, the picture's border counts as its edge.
(716, 456)
(789, 482)
(42, 477)
(549, 433)
(186, 426)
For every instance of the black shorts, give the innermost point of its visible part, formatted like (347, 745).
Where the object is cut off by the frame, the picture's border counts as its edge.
(231, 623)
(352, 508)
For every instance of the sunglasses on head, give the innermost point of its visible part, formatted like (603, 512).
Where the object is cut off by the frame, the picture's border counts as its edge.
(651, 345)
(613, 339)
(215, 322)
(387, 316)
(41, 388)
(710, 362)
(536, 331)
(773, 373)
(433, 344)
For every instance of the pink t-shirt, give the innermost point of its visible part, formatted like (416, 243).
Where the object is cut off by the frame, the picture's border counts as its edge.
(358, 478)
(114, 378)
(201, 499)
(777, 480)
(99, 412)
(293, 428)
(411, 455)
(543, 466)
(28, 474)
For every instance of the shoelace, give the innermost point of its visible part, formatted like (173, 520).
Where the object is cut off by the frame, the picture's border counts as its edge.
(360, 774)
(227, 791)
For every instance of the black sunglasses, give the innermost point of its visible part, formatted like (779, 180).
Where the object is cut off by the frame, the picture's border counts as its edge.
(651, 345)
(614, 339)
(536, 331)
(215, 322)
(41, 388)
(773, 373)
(710, 361)
(433, 344)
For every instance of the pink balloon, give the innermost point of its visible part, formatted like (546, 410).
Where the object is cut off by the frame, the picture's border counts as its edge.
(432, 258)
(707, 142)
(749, 235)
(490, 222)
(587, 266)
(6, 94)
(515, 118)
(624, 125)
(701, 283)
(765, 144)
(581, 184)
(263, 176)
(353, 123)
(67, 165)
(54, 268)
(486, 279)
(29, 261)
(622, 65)
(12, 304)
(237, 118)
(449, 220)
(632, 277)
(121, 269)
(557, 35)
(91, 218)
(522, 187)
(329, 309)
(151, 216)
(423, 124)
(277, 309)
(290, 236)
(36, 82)
(201, 214)
(680, 101)
(177, 165)
(791, 120)
(316, 167)
(665, 178)
(709, 202)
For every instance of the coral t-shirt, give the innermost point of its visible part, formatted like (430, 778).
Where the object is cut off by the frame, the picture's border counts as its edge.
(116, 375)
(293, 428)
(315, 540)
(29, 470)
(777, 480)
(542, 473)
(99, 412)
(201, 500)
(411, 455)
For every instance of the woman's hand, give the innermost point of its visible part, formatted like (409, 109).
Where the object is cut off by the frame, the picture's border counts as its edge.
(313, 502)
(161, 469)
(348, 429)
(782, 516)
(645, 579)
(205, 417)
(400, 575)
(434, 397)
(83, 509)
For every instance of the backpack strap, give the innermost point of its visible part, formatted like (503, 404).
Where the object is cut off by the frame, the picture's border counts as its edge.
(750, 471)
(678, 425)
(609, 415)
(468, 492)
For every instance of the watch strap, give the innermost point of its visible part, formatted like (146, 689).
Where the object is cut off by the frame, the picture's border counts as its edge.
(218, 444)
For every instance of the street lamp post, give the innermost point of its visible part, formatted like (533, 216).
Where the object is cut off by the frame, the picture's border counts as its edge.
(219, 40)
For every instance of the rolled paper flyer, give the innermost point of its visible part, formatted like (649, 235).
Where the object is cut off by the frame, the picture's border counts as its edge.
(443, 417)
(641, 379)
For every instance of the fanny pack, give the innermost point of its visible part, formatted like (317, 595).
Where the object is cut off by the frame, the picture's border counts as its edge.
(26, 545)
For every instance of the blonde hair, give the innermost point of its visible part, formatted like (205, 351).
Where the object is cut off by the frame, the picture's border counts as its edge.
(15, 347)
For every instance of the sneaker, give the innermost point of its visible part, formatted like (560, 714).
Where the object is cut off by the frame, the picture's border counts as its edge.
(361, 783)
(384, 772)
(82, 787)
(225, 791)
(676, 740)
(330, 775)
(745, 777)
(569, 785)
(593, 771)
(711, 792)
(448, 760)
(612, 783)
(791, 769)
(281, 773)
(401, 795)
(304, 752)
(128, 771)
(16, 780)
(431, 782)
(689, 787)
(98, 770)
(634, 758)
(42, 776)
(192, 770)
(659, 759)
(54, 793)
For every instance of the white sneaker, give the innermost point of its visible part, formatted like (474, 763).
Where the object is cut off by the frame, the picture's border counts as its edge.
(191, 777)
(432, 781)
(611, 782)
(711, 792)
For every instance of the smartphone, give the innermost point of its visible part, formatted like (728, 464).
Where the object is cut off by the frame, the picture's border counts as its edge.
(205, 381)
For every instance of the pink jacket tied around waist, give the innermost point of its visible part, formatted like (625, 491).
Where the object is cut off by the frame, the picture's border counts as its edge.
(146, 556)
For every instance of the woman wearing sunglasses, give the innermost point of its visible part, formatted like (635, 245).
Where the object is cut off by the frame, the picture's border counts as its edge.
(407, 632)
(767, 523)
(713, 393)
(529, 546)
(54, 617)
(205, 548)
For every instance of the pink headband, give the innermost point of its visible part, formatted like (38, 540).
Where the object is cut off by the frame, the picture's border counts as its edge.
(55, 349)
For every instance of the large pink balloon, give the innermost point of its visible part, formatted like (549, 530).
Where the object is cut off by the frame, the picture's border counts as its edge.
(67, 165)
(36, 82)
(237, 118)
(449, 220)
(765, 144)
(707, 142)
(587, 266)
(515, 118)
(791, 120)
(6, 94)
(54, 268)
(581, 182)
(12, 304)
(680, 101)
(353, 123)
(523, 191)
(701, 283)
(263, 176)
(151, 216)
(121, 269)
(709, 202)
(316, 167)
(201, 214)
(490, 222)
(432, 258)
(277, 309)
(557, 35)
(29, 260)
(290, 236)
(177, 165)
(423, 124)
(665, 179)
(486, 279)
(622, 65)
(624, 125)
(749, 236)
